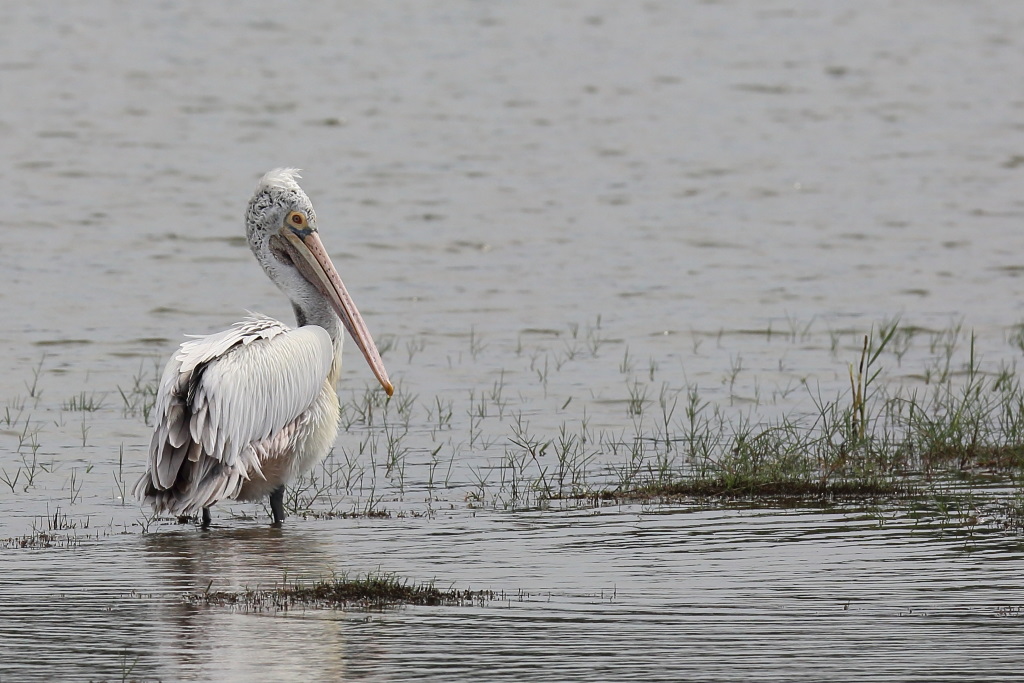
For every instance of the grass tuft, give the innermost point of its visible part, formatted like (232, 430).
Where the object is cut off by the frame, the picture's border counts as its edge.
(372, 592)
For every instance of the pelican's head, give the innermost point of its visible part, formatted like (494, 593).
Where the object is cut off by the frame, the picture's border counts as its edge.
(281, 226)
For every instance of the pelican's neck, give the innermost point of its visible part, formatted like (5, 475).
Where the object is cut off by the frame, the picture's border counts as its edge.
(321, 314)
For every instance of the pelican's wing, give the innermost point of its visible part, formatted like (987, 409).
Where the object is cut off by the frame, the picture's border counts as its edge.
(218, 395)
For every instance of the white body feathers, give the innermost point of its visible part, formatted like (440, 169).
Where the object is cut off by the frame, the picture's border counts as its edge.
(241, 413)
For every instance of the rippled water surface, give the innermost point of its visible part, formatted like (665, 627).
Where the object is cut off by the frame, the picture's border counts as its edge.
(613, 594)
(541, 209)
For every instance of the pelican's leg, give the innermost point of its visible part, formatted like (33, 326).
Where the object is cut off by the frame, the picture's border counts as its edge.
(277, 505)
(206, 518)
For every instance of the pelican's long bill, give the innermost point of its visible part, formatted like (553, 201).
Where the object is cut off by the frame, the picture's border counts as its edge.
(316, 266)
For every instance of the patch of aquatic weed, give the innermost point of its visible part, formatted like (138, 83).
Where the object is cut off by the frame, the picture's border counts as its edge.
(360, 514)
(39, 540)
(58, 530)
(371, 592)
(874, 440)
(754, 488)
(1010, 513)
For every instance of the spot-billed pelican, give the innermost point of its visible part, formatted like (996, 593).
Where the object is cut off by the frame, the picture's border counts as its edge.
(243, 412)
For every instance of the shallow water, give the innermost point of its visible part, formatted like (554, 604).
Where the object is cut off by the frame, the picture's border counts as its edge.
(617, 594)
(538, 207)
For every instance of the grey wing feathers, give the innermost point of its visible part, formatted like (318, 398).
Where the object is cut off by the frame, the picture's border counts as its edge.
(220, 395)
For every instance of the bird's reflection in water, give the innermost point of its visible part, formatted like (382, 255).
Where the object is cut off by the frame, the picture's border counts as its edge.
(235, 644)
(239, 557)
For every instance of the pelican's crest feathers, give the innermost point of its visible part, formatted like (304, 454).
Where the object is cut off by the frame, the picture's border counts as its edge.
(280, 178)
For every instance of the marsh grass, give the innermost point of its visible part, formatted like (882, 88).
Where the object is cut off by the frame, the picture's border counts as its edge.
(139, 398)
(790, 491)
(1010, 511)
(570, 416)
(879, 438)
(371, 592)
(84, 402)
(39, 540)
(57, 530)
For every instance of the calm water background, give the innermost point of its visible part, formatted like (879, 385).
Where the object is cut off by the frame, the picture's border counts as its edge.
(700, 185)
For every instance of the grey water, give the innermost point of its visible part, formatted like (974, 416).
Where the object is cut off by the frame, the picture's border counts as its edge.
(539, 208)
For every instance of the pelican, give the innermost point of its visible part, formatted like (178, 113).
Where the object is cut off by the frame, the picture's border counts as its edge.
(241, 413)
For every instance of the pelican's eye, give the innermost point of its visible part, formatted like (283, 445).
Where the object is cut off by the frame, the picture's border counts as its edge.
(296, 219)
